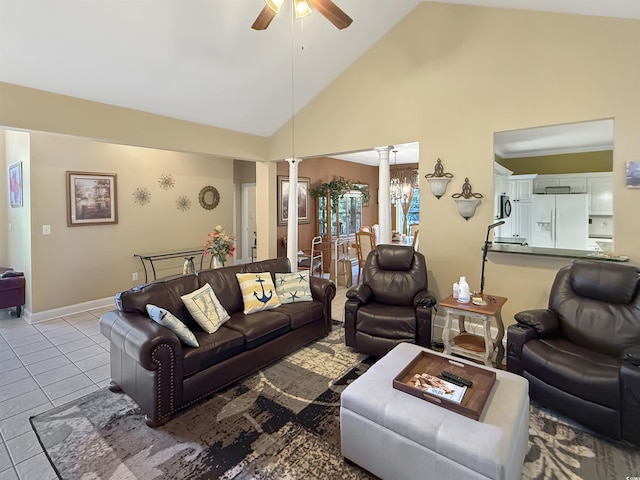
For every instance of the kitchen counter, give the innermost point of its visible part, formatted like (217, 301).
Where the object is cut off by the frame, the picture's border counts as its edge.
(556, 252)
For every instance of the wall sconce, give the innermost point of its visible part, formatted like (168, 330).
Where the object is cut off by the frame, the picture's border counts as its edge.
(438, 180)
(467, 201)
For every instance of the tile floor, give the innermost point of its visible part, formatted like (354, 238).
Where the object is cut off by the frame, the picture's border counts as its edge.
(43, 366)
(46, 365)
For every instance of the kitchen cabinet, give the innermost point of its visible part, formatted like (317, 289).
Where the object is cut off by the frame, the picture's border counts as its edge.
(600, 190)
(577, 182)
(521, 188)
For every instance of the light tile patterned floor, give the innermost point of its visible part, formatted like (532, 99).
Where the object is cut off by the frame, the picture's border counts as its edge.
(49, 364)
(43, 366)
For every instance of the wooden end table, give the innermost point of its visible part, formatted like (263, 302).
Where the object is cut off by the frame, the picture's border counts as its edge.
(480, 347)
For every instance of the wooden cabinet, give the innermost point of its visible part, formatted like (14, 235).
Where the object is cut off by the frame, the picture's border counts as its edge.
(600, 190)
(343, 223)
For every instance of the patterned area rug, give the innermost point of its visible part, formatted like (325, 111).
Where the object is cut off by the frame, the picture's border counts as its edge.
(281, 423)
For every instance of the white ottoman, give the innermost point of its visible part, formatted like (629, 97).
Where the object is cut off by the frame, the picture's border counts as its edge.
(397, 436)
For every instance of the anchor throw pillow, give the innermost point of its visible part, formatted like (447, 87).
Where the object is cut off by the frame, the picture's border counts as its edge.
(293, 287)
(258, 292)
(205, 308)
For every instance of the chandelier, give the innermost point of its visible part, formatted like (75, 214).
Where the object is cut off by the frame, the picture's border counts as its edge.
(402, 184)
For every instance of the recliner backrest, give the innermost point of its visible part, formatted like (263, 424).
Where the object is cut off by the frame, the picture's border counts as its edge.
(598, 305)
(395, 273)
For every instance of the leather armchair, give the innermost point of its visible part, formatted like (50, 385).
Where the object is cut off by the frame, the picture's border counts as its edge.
(392, 304)
(581, 355)
(12, 289)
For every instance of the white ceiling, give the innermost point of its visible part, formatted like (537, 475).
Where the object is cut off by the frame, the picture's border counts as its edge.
(199, 60)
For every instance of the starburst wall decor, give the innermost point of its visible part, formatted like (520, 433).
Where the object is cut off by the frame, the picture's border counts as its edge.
(141, 196)
(166, 181)
(183, 203)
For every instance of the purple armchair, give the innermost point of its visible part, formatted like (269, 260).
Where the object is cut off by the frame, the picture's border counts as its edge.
(12, 287)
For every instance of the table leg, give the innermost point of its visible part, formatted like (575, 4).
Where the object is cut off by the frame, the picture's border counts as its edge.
(446, 332)
(488, 341)
(499, 338)
(461, 328)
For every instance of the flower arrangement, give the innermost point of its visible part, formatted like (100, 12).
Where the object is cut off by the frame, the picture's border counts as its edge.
(219, 245)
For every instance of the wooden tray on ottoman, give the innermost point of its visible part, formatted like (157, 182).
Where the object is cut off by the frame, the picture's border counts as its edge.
(475, 396)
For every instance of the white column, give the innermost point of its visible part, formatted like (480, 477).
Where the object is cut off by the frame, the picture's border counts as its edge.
(292, 222)
(384, 203)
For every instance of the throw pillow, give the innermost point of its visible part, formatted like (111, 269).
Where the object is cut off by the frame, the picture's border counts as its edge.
(205, 308)
(258, 292)
(293, 287)
(167, 319)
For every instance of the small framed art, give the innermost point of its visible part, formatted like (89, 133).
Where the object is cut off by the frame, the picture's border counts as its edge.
(283, 200)
(15, 185)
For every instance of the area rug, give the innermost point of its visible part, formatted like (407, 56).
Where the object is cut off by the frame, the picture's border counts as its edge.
(279, 424)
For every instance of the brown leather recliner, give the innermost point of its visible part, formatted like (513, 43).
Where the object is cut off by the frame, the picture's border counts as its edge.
(392, 304)
(582, 354)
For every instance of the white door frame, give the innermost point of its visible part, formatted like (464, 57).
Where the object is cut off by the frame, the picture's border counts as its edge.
(246, 235)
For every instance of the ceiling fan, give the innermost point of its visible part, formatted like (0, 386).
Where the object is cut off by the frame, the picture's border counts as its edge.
(330, 10)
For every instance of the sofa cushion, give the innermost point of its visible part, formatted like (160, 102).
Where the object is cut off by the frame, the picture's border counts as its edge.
(260, 327)
(258, 292)
(205, 308)
(164, 293)
(301, 313)
(214, 348)
(582, 372)
(293, 287)
(167, 319)
(223, 281)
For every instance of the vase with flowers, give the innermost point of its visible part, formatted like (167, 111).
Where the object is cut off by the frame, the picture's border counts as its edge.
(220, 245)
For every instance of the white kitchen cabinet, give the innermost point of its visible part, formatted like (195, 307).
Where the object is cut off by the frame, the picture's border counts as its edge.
(577, 182)
(600, 190)
(521, 188)
(521, 226)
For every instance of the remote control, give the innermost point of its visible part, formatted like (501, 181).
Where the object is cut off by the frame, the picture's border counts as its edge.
(455, 382)
(451, 376)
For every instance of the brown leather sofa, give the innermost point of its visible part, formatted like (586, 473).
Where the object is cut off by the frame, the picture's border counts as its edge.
(392, 304)
(582, 354)
(163, 376)
(12, 289)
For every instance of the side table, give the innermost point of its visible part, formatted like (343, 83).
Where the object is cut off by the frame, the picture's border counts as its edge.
(480, 347)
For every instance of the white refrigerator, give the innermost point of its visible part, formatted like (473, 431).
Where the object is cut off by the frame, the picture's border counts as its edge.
(560, 221)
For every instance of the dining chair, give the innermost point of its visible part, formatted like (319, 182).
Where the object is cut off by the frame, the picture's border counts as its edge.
(365, 243)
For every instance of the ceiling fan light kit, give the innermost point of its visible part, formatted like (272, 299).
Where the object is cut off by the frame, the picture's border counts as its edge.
(302, 8)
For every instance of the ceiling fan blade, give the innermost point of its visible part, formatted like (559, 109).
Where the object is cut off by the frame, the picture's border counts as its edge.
(264, 19)
(332, 12)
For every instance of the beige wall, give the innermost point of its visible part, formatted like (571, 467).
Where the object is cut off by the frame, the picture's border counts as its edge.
(77, 264)
(447, 76)
(4, 202)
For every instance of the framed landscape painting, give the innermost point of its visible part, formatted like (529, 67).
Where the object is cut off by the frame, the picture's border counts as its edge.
(283, 200)
(91, 199)
(15, 185)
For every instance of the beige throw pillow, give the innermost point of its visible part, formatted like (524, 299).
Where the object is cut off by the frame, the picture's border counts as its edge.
(205, 308)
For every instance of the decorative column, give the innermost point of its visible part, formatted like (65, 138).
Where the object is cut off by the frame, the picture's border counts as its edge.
(292, 218)
(384, 199)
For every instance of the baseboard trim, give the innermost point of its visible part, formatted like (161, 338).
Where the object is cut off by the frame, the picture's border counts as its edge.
(39, 317)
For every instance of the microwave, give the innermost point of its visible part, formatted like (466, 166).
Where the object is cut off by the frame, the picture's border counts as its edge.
(505, 207)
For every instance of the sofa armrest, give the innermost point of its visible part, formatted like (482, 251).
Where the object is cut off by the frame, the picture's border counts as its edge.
(359, 293)
(544, 321)
(424, 299)
(138, 336)
(630, 390)
(323, 290)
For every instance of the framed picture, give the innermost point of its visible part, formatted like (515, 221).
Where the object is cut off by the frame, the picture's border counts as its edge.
(283, 199)
(633, 174)
(91, 199)
(15, 185)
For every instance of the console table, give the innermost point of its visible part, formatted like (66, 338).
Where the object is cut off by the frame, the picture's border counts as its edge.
(148, 259)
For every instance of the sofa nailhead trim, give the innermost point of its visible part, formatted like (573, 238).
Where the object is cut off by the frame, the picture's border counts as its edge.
(159, 376)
